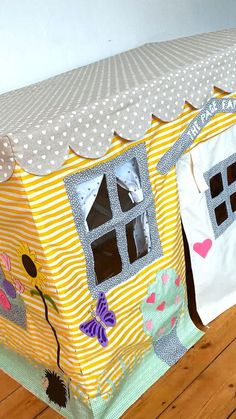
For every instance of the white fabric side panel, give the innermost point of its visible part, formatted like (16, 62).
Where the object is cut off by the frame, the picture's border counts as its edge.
(214, 274)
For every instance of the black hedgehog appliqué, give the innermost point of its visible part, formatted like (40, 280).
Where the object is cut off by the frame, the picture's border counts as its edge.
(55, 388)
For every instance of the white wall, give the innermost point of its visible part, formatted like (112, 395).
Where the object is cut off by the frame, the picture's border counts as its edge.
(40, 38)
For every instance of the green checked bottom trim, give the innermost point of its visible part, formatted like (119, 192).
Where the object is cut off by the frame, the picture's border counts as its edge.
(30, 374)
(132, 387)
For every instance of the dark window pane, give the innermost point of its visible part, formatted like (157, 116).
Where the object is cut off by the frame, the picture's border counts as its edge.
(129, 184)
(125, 199)
(233, 201)
(107, 261)
(100, 211)
(221, 213)
(231, 173)
(138, 237)
(216, 185)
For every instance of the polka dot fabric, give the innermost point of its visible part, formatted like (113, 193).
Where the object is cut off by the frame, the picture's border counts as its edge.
(7, 161)
(83, 108)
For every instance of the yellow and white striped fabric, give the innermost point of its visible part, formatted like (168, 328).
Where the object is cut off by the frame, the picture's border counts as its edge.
(36, 211)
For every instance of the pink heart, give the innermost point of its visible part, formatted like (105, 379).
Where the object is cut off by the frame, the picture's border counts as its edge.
(173, 320)
(149, 324)
(161, 306)
(177, 281)
(177, 299)
(203, 248)
(165, 278)
(151, 299)
(161, 331)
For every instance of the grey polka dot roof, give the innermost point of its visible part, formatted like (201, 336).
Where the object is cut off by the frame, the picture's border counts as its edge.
(82, 108)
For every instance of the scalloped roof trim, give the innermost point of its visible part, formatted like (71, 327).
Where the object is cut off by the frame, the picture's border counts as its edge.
(40, 143)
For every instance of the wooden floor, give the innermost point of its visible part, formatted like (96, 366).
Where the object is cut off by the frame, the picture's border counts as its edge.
(201, 385)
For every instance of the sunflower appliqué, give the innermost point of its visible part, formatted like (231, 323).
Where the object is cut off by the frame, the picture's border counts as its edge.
(53, 384)
(30, 266)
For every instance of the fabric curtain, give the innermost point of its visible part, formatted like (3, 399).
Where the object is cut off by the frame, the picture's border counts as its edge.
(128, 178)
(87, 193)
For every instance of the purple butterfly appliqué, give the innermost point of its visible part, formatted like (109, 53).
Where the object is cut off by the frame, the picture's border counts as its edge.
(102, 318)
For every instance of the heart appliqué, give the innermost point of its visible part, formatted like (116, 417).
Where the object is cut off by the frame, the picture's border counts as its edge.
(177, 281)
(161, 306)
(151, 299)
(165, 278)
(149, 324)
(203, 248)
(161, 331)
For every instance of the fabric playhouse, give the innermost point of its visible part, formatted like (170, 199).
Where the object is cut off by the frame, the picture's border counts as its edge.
(92, 281)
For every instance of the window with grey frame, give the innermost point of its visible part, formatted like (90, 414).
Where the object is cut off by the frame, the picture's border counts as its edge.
(115, 217)
(221, 195)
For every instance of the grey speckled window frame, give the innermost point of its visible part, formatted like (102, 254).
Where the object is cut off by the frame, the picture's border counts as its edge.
(224, 196)
(119, 218)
